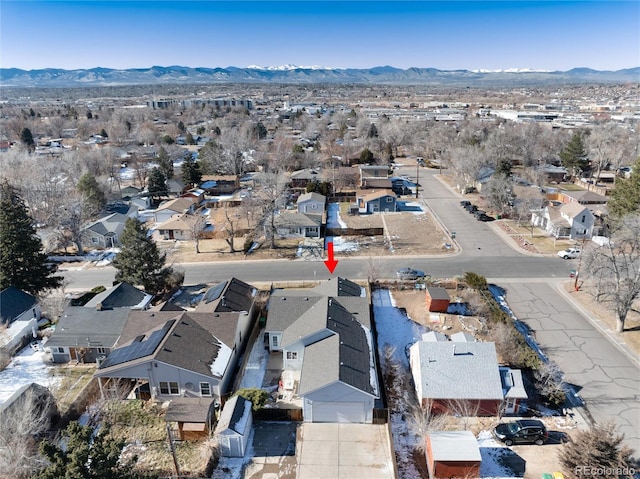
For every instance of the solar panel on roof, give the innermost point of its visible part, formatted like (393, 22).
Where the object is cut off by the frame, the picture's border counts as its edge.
(214, 292)
(137, 350)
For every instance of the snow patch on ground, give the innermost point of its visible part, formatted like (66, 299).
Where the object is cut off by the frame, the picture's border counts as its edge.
(342, 245)
(333, 216)
(28, 366)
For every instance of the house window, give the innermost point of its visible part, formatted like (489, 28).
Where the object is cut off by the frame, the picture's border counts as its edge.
(170, 387)
(57, 350)
(274, 341)
(101, 350)
(94, 240)
(292, 355)
(205, 389)
(584, 217)
(389, 199)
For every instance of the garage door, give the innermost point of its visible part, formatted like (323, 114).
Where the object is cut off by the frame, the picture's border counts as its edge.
(338, 412)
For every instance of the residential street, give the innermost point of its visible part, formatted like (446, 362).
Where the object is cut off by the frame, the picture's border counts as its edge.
(607, 378)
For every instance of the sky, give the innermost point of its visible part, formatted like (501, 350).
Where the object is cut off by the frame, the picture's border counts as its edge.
(474, 34)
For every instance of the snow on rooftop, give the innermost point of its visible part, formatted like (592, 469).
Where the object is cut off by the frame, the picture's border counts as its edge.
(220, 363)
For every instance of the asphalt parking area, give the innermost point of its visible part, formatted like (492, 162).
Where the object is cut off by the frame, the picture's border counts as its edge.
(336, 451)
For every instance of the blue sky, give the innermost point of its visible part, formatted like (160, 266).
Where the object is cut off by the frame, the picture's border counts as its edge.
(544, 35)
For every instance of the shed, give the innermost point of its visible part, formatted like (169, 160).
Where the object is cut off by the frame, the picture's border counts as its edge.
(437, 299)
(194, 416)
(234, 427)
(453, 454)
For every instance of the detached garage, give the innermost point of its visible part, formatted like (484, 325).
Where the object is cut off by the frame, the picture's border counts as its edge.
(453, 454)
(234, 427)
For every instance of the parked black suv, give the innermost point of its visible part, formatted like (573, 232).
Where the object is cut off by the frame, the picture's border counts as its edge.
(523, 431)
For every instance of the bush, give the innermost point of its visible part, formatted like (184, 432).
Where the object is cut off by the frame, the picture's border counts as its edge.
(258, 397)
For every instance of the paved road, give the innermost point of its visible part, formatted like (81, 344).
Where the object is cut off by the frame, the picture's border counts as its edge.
(607, 378)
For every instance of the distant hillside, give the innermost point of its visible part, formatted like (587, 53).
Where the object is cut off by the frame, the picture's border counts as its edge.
(50, 77)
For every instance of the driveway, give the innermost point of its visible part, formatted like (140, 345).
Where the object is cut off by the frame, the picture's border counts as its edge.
(323, 450)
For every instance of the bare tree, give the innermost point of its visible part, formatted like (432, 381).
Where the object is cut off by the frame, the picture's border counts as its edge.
(609, 146)
(21, 424)
(195, 224)
(466, 410)
(550, 382)
(498, 192)
(231, 221)
(616, 268)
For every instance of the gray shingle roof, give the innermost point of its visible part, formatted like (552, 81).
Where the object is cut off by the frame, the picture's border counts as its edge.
(450, 370)
(14, 302)
(87, 327)
(122, 295)
(229, 296)
(190, 341)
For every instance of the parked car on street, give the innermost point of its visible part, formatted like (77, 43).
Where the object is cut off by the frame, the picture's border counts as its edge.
(569, 253)
(522, 431)
(409, 274)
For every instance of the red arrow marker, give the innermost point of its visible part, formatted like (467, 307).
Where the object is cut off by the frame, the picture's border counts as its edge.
(331, 262)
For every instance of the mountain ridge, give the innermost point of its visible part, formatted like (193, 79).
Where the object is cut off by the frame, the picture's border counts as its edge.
(101, 76)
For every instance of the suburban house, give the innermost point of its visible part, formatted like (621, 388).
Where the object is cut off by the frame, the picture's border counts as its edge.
(301, 178)
(185, 226)
(464, 378)
(167, 355)
(105, 232)
(234, 427)
(324, 334)
(384, 201)
(19, 313)
(437, 299)
(195, 194)
(374, 176)
(175, 186)
(86, 333)
(570, 220)
(121, 295)
(291, 224)
(220, 184)
(453, 454)
(311, 203)
(173, 207)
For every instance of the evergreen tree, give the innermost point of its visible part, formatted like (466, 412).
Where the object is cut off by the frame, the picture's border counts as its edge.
(103, 133)
(87, 455)
(94, 197)
(27, 139)
(601, 448)
(625, 197)
(156, 183)
(366, 156)
(139, 261)
(22, 262)
(574, 154)
(191, 173)
(165, 163)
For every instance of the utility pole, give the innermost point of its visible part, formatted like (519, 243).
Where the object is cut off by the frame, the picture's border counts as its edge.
(417, 177)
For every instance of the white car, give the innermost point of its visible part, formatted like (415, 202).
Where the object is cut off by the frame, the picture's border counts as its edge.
(569, 253)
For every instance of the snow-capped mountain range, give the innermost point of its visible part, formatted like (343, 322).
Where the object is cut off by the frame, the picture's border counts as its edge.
(52, 77)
